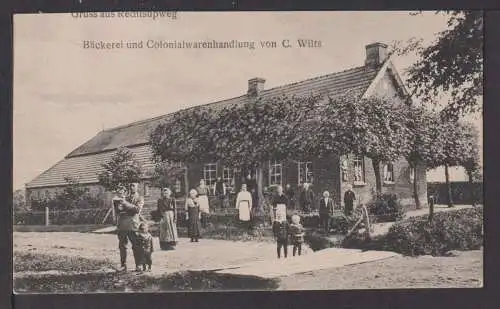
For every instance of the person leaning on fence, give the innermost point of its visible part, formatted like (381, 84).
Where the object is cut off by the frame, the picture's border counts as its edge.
(349, 198)
(297, 235)
(326, 211)
(128, 210)
(145, 246)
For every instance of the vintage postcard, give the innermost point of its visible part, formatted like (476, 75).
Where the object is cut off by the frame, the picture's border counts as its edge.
(213, 151)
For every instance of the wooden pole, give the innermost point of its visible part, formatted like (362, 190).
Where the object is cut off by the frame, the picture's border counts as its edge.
(47, 218)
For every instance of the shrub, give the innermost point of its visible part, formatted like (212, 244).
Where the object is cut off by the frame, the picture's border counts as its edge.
(386, 207)
(451, 230)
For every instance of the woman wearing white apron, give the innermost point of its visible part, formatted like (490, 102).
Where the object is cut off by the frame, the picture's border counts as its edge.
(244, 204)
(203, 202)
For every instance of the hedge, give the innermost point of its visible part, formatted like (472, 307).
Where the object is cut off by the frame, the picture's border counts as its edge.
(62, 217)
(450, 230)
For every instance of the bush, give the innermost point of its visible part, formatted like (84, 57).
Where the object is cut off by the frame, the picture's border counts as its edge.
(451, 230)
(386, 208)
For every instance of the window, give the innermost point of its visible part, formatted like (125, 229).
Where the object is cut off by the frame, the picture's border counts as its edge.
(305, 172)
(228, 176)
(274, 173)
(359, 170)
(210, 174)
(389, 173)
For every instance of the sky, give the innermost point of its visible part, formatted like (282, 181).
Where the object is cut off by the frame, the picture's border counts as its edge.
(65, 94)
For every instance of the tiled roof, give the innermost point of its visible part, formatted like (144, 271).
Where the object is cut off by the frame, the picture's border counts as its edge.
(86, 168)
(85, 162)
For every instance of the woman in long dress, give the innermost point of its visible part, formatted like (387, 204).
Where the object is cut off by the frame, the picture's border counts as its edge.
(203, 191)
(168, 228)
(244, 205)
(193, 216)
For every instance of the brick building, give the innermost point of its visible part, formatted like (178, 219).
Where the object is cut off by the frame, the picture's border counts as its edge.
(377, 77)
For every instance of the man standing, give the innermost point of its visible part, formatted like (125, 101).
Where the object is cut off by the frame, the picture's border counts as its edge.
(326, 211)
(306, 198)
(349, 198)
(220, 191)
(128, 210)
(290, 193)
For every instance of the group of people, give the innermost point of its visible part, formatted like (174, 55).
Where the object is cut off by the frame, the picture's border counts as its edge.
(133, 228)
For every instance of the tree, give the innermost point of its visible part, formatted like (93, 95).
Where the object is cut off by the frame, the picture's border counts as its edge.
(241, 136)
(450, 66)
(470, 161)
(373, 127)
(455, 146)
(122, 169)
(424, 144)
(19, 201)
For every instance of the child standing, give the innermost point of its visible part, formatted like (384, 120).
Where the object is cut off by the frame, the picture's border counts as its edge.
(145, 246)
(281, 231)
(297, 233)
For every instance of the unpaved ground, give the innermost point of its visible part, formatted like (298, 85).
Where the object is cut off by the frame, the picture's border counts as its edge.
(462, 271)
(208, 254)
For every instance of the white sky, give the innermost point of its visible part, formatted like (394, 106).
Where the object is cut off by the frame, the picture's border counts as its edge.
(64, 95)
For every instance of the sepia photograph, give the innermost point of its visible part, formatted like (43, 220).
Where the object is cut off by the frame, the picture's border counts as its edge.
(175, 151)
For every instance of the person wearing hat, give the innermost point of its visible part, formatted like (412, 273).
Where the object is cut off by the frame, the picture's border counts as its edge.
(128, 209)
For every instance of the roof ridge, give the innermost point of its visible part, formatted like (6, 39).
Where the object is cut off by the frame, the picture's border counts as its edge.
(232, 98)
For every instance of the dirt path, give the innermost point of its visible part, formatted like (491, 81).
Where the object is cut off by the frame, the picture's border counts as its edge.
(462, 271)
(208, 254)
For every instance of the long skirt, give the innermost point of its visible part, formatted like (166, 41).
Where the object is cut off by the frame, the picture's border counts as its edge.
(203, 202)
(168, 231)
(193, 222)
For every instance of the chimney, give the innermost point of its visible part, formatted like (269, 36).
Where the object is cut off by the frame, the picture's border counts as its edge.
(255, 86)
(376, 54)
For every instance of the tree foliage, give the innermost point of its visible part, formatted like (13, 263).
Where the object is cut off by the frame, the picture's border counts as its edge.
(241, 136)
(450, 66)
(19, 201)
(122, 169)
(166, 174)
(374, 127)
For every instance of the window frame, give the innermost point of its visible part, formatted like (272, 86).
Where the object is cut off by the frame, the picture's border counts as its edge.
(392, 180)
(307, 171)
(359, 158)
(209, 182)
(273, 164)
(229, 181)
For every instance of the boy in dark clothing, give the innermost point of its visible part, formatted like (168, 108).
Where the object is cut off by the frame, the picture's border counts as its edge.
(145, 246)
(297, 233)
(281, 231)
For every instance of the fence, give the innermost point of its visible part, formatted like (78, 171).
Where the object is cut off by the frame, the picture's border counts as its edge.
(461, 192)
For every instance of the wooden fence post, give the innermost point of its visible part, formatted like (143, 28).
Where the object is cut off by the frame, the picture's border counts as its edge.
(47, 218)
